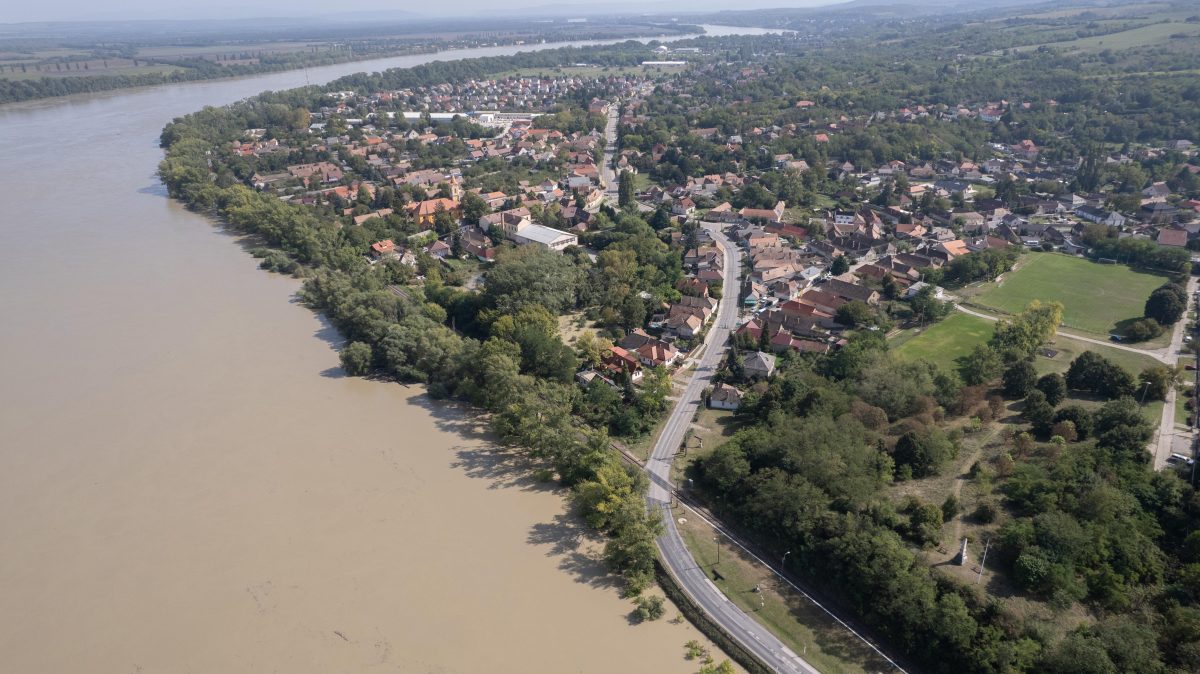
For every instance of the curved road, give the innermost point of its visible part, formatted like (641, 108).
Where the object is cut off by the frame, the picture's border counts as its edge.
(679, 562)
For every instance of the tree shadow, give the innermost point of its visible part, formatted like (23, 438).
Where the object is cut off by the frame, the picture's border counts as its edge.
(578, 550)
(833, 639)
(328, 333)
(456, 417)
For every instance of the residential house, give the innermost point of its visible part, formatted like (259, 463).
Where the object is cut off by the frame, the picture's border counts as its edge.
(424, 213)
(382, 249)
(850, 291)
(1176, 238)
(622, 364)
(657, 354)
(725, 397)
(758, 365)
(773, 215)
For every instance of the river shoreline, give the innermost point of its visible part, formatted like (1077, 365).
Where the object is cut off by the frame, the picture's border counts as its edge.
(192, 485)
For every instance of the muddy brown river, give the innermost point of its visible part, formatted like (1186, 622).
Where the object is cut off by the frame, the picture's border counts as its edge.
(189, 484)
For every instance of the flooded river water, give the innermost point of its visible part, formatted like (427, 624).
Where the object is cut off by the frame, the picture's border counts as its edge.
(189, 484)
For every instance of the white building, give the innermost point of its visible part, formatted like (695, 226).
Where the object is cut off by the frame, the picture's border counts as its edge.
(547, 237)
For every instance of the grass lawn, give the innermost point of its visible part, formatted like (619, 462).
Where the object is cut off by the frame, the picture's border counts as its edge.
(1097, 298)
(945, 341)
(958, 333)
(1066, 349)
(804, 628)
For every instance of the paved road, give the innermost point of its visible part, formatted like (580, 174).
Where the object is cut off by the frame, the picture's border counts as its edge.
(608, 177)
(1166, 428)
(1161, 355)
(693, 579)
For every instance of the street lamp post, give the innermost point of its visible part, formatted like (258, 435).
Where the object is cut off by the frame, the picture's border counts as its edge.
(717, 540)
(783, 562)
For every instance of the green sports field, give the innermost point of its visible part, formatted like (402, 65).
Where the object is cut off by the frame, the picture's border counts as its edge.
(1097, 298)
(942, 343)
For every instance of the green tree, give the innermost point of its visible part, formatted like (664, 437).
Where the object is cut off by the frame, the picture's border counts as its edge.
(1092, 372)
(1019, 379)
(530, 275)
(1053, 386)
(626, 190)
(923, 451)
(856, 313)
(1154, 382)
(927, 308)
(1167, 304)
(356, 358)
(982, 365)
(841, 265)
(1037, 411)
(473, 208)
(1142, 330)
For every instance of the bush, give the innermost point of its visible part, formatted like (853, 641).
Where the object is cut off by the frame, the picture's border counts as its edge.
(985, 513)
(278, 261)
(1143, 329)
(648, 608)
(949, 508)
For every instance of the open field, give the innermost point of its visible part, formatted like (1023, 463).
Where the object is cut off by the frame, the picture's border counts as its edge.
(943, 342)
(1066, 349)
(957, 334)
(1123, 10)
(201, 51)
(804, 627)
(1096, 298)
(30, 73)
(1143, 36)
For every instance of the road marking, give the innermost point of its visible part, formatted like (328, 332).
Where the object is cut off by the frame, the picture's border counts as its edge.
(716, 589)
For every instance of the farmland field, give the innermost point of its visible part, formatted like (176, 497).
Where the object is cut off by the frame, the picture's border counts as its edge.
(1141, 36)
(1097, 297)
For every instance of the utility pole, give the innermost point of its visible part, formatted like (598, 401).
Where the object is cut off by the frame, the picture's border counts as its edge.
(983, 560)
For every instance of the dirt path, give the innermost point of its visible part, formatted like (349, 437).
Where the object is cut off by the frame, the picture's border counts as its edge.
(965, 467)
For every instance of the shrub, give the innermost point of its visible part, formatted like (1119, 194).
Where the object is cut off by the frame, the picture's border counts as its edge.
(648, 608)
(985, 513)
(1143, 329)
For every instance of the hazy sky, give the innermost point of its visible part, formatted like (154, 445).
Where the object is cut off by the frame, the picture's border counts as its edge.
(13, 11)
